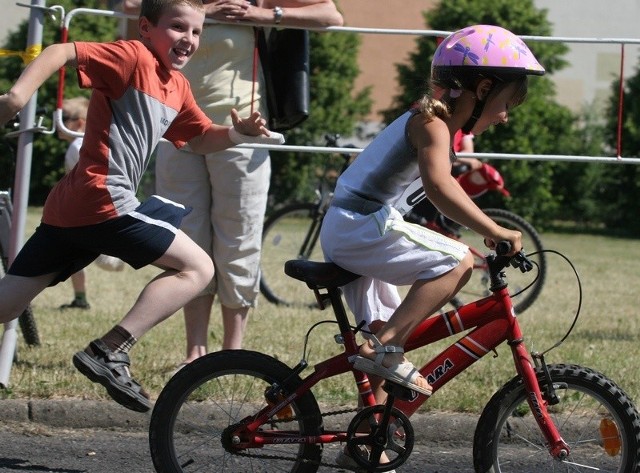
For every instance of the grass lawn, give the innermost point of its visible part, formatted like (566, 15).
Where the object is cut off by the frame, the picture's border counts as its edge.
(605, 337)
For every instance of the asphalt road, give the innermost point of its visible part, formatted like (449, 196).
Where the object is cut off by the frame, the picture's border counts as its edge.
(37, 448)
(74, 436)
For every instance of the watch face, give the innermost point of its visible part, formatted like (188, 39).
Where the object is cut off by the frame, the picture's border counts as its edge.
(277, 14)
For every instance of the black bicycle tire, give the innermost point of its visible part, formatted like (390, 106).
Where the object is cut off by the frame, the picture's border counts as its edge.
(213, 368)
(26, 320)
(512, 398)
(530, 233)
(28, 327)
(273, 280)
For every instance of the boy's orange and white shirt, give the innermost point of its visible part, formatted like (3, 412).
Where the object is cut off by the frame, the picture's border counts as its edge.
(135, 102)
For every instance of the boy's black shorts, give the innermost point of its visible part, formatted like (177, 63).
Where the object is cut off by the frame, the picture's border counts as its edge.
(138, 238)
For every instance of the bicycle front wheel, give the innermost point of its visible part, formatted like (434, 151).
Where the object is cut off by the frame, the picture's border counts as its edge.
(290, 233)
(594, 416)
(478, 285)
(189, 427)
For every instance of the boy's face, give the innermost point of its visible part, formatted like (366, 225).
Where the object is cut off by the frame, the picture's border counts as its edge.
(176, 36)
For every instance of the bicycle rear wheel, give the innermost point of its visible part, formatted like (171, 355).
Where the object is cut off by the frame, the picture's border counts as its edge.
(290, 233)
(188, 431)
(478, 285)
(28, 327)
(594, 416)
(26, 320)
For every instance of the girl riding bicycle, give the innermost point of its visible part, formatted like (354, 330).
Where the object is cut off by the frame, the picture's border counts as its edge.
(477, 75)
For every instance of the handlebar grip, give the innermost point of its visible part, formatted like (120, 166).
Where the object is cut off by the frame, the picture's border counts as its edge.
(500, 261)
(503, 247)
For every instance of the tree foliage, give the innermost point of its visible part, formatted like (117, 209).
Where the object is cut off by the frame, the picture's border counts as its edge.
(618, 186)
(48, 150)
(539, 126)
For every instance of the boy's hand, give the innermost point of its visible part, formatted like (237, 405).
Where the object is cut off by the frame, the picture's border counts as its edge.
(252, 130)
(253, 125)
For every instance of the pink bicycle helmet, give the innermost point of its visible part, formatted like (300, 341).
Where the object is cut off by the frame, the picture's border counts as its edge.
(485, 50)
(481, 51)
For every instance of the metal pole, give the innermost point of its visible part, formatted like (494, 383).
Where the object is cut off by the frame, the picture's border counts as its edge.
(21, 186)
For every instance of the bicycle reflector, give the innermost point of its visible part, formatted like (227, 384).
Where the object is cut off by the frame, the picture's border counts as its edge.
(610, 437)
(273, 399)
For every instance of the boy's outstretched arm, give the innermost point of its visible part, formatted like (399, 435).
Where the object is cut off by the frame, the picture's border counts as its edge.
(35, 74)
(244, 130)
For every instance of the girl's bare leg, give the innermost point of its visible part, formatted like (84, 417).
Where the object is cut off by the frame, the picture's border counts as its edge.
(423, 299)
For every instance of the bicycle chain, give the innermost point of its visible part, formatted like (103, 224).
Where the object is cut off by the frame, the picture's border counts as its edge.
(292, 459)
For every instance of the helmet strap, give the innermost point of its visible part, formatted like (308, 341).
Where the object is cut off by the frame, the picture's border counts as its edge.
(475, 115)
(477, 111)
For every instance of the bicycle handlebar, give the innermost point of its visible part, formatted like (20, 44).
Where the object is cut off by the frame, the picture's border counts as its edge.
(499, 261)
(503, 247)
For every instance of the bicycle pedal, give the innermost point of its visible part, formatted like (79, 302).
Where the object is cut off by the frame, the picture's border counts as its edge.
(398, 391)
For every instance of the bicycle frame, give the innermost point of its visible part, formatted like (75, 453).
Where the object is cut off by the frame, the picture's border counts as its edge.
(488, 321)
(324, 200)
(312, 236)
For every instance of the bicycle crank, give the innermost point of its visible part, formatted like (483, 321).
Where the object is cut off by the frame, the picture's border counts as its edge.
(380, 438)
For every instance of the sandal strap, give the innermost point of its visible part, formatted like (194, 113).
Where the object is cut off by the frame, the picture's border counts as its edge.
(114, 360)
(388, 349)
(378, 347)
(117, 362)
(381, 350)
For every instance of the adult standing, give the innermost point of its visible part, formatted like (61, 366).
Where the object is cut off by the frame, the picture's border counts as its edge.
(228, 190)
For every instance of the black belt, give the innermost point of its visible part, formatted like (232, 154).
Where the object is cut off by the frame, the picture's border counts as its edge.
(361, 206)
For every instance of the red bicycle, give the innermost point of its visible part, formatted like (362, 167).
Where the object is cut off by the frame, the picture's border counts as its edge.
(246, 411)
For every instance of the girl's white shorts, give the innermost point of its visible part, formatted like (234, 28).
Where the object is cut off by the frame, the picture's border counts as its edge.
(387, 252)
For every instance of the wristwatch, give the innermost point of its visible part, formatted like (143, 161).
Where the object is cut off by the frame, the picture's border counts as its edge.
(277, 15)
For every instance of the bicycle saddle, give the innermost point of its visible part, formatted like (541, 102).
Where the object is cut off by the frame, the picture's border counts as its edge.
(319, 275)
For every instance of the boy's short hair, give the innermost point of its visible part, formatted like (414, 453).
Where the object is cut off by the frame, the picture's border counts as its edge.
(75, 107)
(153, 9)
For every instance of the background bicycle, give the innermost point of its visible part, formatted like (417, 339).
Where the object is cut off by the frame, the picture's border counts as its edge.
(246, 411)
(26, 321)
(292, 233)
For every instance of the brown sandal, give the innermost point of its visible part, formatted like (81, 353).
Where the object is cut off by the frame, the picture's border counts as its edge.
(111, 369)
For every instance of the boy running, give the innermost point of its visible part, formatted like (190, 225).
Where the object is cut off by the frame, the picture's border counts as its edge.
(139, 96)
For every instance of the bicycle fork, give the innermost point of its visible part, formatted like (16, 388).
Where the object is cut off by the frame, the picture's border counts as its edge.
(557, 447)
